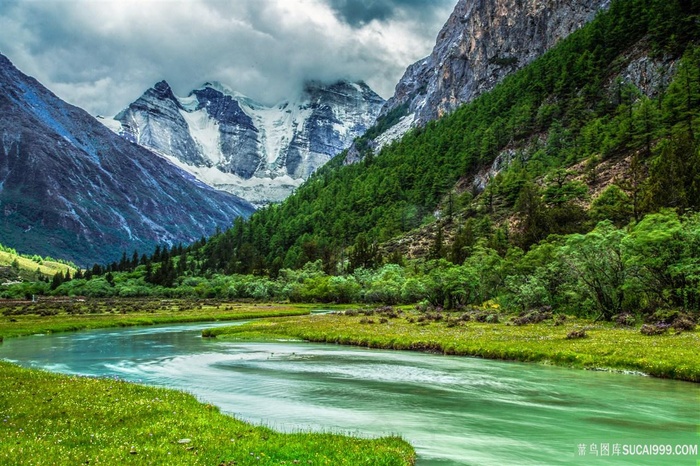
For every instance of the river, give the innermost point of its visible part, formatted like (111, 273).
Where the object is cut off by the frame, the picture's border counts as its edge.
(454, 410)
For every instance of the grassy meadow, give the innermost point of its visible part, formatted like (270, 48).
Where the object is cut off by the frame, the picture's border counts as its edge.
(29, 268)
(555, 341)
(67, 315)
(56, 419)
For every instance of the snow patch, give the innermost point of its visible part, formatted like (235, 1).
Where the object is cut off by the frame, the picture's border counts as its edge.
(205, 132)
(404, 125)
(111, 124)
(256, 190)
(277, 126)
(189, 103)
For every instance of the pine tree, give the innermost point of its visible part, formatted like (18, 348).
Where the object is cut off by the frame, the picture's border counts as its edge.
(535, 222)
(57, 280)
(123, 263)
(363, 254)
(437, 249)
(156, 254)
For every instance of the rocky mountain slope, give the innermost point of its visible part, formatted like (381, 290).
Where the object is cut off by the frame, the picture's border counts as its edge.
(482, 42)
(70, 188)
(238, 145)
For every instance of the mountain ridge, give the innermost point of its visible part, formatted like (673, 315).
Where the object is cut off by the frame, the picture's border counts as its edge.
(233, 143)
(578, 104)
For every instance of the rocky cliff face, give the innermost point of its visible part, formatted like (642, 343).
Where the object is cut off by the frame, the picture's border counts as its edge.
(70, 188)
(235, 144)
(481, 43)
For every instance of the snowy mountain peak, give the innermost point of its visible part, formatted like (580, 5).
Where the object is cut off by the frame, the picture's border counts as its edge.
(164, 87)
(233, 143)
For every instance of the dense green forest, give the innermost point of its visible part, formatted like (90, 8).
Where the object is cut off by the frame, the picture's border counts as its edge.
(538, 235)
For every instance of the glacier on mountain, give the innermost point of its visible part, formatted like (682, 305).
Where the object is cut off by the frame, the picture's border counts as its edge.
(233, 143)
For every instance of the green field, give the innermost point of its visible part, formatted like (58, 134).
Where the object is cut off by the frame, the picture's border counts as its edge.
(672, 355)
(55, 419)
(28, 267)
(53, 316)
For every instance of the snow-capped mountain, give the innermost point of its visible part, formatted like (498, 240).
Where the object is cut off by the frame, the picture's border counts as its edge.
(70, 188)
(235, 144)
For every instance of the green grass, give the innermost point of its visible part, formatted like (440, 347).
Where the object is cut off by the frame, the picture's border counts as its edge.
(26, 319)
(675, 356)
(55, 419)
(28, 267)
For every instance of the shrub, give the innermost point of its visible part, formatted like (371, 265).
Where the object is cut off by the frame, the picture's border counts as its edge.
(651, 330)
(683, 324)
(625, 319)
(577, 334)
(663, 316)
(534, 317)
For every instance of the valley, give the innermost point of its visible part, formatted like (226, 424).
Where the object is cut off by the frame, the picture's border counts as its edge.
(499, 264)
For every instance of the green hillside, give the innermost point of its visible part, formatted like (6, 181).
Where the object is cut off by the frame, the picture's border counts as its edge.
(20, 267)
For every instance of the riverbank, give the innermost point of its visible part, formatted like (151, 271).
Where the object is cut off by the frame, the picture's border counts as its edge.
(45, 419)
(48, 418)
(69, 315)
(673, 356)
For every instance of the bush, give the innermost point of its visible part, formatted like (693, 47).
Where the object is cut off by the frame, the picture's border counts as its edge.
(625, 320)
(577, 334)
(663, 316)
(683, 324)
(651, 330)
(534, 317)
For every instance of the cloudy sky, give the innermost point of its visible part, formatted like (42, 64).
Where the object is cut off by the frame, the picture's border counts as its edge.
(102, 54)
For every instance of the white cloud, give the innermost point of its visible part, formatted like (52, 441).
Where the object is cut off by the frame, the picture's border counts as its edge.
(101, 55)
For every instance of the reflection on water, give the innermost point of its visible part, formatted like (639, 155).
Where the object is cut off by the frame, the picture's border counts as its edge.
(455, 411)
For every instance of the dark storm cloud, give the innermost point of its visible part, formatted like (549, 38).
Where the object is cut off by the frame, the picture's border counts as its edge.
(103, 54)
(360, 12)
